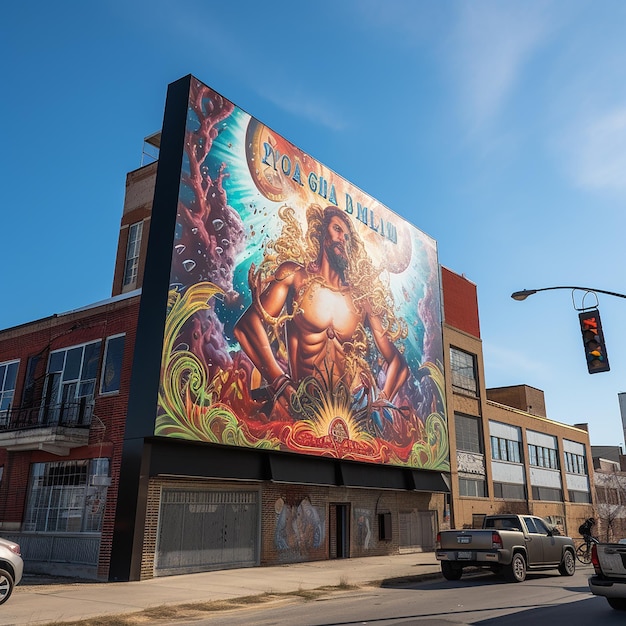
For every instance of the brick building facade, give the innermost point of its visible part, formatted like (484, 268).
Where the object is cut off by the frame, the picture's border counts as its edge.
(506, 455)
(61, 439)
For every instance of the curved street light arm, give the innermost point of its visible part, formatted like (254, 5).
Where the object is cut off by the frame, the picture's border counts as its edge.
(522, 295)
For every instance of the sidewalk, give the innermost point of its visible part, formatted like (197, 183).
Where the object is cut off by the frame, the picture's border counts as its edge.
(33, 603)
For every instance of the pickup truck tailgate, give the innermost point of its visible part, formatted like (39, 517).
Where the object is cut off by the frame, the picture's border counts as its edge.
(467, 540)
(612, 559)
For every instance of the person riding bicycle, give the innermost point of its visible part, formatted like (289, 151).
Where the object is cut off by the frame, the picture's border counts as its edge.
(585, 530)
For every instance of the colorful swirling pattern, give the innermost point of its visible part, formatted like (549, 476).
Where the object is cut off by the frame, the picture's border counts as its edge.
(219, 409)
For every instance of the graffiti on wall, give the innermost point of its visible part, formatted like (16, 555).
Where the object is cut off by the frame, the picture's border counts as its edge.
(363, 524)
(300, 528)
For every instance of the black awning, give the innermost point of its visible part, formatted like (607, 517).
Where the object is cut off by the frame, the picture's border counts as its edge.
(184, 458)
(178, 457)
(302, 470)
(424, 480)
(374, 476)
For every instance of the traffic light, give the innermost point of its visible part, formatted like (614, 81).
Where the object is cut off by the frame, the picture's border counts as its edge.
(593, 340)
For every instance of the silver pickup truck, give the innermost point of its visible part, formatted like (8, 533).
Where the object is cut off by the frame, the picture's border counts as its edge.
(609, 580)
(507, 544)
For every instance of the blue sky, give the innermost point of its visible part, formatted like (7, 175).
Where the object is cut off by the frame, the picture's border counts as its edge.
(498, 128)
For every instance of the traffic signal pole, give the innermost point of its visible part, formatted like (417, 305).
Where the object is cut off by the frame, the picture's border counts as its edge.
(590, 326)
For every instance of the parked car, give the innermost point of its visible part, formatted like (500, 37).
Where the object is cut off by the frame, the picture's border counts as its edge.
(11, 568)
(508, 545)
(609, 580)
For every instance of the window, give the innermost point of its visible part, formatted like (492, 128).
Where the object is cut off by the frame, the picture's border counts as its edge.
(67, 496)
(542, 529)
(112, 368)
(540, 456)
(463, 366)
(536, 526)
(472, 487)
(609, 495)
(575, 463)
(581, 497)
(28, 395)
(71, 382)
(509, 491)
(513, 450)
(75, 370)
(467, 431)
(8, 376)
(131, 266)
(505, 450)
(547, 493)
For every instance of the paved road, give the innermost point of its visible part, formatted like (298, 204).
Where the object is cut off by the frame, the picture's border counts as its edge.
(485, 600)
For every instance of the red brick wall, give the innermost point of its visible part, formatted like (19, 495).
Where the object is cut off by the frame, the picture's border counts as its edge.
(108, 422)
(460, 302)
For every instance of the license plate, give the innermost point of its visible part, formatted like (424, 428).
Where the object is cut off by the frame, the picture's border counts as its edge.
(463, 539)
(466, 556)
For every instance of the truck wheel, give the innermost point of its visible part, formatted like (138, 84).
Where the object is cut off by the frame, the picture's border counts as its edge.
(451, 571)
(568, 564)
(619, 604)
(516, 572)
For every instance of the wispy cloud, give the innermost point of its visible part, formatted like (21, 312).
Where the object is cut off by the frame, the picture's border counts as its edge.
(597, 146)
(307, 105)
(489, 49)
(224, 46)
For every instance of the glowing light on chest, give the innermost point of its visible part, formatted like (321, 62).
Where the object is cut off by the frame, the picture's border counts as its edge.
(330, 309)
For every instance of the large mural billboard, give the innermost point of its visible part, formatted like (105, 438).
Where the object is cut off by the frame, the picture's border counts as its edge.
(303, 315)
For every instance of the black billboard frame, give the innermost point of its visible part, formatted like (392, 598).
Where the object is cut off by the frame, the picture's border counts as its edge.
(126, 549)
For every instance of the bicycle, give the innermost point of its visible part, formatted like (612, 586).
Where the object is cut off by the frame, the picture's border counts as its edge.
(583, 551)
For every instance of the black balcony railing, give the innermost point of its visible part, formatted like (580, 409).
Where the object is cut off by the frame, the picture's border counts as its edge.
(68, 414)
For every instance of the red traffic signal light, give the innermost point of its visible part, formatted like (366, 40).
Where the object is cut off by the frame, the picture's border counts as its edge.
(593, 340)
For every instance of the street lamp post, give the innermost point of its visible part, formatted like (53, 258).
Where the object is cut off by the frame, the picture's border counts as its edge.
(522, 295)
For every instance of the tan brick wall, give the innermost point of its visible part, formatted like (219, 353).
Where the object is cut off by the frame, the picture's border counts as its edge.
(296, 521)
(138, 200)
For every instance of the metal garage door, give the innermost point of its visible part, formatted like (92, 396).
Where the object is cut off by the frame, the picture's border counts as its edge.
(417, 529)
(205, 530)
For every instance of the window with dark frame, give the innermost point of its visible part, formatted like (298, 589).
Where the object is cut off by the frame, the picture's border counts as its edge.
(505, 450)
(29, 394)
(131, 265)
(463, 368)
(8, 376)
(70, 383)
(472, 487)
(575, 463)
(468, 433)
(509, 491)
(540, 456)
(550, 494)
(112, 365)
(67, 496)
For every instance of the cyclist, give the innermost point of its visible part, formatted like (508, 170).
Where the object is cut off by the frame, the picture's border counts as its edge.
(585, 530)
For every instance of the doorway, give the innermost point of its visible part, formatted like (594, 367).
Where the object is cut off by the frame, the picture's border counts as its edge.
(339, 531)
